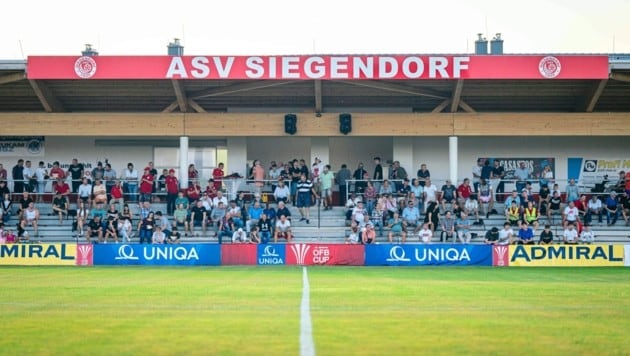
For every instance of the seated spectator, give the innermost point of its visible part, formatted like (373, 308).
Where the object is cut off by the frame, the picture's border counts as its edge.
(531, 216)
(492, 236)
(430, 193)
(448, 228)
(397, 228)
(570, 235)
(146, 228)
(546, 236)
(464, 191)
(555, 206)
(125, 229)
(389, 206)
(386, 188)
(237, 214)
(60, 206)
(353, 236)
(206, 201)
(485, 197)
(94, 229)
(377, 218)
(198, 217)
(158, 236)
(448, 194)
(62, 187)
(254, 213)
(193, 192)
(100, 192)
(514, 197)
(525, 234)
(513, 214)
(9, 237)
(239, 236)
(283, 210)
(6, 205)
(411, 216)
(31, 217)
(506, 234)
(463, 226)
(85, 192)
(582, 207)
(368, 235)
(594, 207)
(162, 222)
(570, 215)
(544, 198)
(471, 206)
(587, 236)
(432, 215)
(624, 207)
(264, 229)
(425, 234)
(226, 227)
(283, 229)
(175, 237)
(24, 203)
(181, 199)
(117, 194)
(281, 193)
(612, 209)
(111, 231)
(22, 234)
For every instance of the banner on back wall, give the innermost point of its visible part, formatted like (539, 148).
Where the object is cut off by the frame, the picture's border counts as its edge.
(418, 255)
(238, 254)
(135, 254)
(324, 254)
(22, 146)
(38, 254)
(566, 255)
(534, 165)
(591, 172)
(271, 254)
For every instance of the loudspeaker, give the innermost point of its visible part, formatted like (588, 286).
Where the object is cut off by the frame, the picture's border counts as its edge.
(345, 123)
(290, 124)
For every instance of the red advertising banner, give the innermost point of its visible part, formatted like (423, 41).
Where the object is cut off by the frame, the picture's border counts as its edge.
(85, 255)
(318, 254)
(238, 254)
(329, 67)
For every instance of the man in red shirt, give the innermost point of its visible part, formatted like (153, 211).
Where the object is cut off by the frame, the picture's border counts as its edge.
(172, 188)
(464, 191)
(117, 195)
(62, 187)
(55, 173)
(146, 185)
(217, 175)
(3, 173)
(193, 192)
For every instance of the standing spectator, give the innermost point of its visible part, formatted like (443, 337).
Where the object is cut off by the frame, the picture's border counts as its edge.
(172, 188)
(109, 176)
(146, 185)
(357, 176)
(397, 174)
(161, 182)
(327, 179)
(274, 174)
(30, 181)
(130, 175)
(546, 177)
(430, 193)
(18, 176)
(83, 214)
(303, 197)
(544, 198)
(476, 173)
(6, 205)
(41, 174)
(294, 172)
(572, 191)
(343, 175)
(423, 174)
(496, 180)
(75, 172)
(193, 175)
(98, 172)
(378, 173)
(521, 174)
(217, 175)
(485, 197)
(180, 215)
(56, 174)
(3, 173)
(258, 175)
(369, 195)
(432, 216)
(486, 171)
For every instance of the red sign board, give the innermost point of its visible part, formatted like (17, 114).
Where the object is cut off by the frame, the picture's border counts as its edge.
(328, 67)
(238, 254)
(501, 256)
(85, 255)
(320, 254)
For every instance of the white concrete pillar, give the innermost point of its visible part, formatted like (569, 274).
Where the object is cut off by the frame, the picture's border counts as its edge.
(320, 147)
(403, 152)
(183, 162)
(452, 159)
(236, 156)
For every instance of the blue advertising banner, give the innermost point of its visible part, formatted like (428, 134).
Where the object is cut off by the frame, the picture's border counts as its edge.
(420, 255)
(271, 254)
(136, 254)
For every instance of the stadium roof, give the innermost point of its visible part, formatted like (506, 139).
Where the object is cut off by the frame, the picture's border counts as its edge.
(18, 93)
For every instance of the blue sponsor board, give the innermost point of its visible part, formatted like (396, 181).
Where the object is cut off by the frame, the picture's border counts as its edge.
(421, 255)
(271, 254)
(135, 254)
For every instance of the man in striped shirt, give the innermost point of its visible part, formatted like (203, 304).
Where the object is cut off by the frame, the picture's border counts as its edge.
(303, 197)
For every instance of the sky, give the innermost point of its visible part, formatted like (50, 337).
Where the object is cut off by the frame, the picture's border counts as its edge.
(278, 27)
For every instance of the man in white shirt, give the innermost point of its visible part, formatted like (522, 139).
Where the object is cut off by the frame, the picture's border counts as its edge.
(587, 236)
(425, 234)
(430, 193)
(283, 229)
(594, 207)
(282, 192)
(219, 199)
(570, 214)
(85, 191)
(570, 235)
(505, 234)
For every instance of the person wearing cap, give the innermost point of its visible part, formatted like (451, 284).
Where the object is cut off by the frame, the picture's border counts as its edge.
(448, 194)
(239, 236)
(146, 185)
(172, 189)
(611, 205)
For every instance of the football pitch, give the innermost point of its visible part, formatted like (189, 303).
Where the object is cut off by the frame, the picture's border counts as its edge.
(353, 310)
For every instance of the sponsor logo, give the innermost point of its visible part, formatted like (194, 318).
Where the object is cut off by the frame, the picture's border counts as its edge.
(549, 67)
(37, 254)
(590, 165)
(85, 67)
(84, 255)
(501, 257)
(442, 254)
(397, 254)
(321, 255)
(269, 255)
(180, 253)
(564, 255)
(300, 251)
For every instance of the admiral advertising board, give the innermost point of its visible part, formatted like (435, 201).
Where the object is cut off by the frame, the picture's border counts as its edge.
(420, 255)
(566, 255)
(136, 254)
(38, 254)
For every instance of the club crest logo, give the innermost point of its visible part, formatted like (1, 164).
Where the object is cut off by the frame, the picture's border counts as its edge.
(85, 67)
(549, 67)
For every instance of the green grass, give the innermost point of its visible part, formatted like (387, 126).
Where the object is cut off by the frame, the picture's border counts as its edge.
(355, 310)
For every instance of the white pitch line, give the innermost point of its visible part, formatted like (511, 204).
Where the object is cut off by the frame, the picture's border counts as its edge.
(307, 346)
